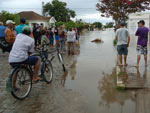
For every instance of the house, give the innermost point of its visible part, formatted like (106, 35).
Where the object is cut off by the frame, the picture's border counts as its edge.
(33, 18)
(135, 18)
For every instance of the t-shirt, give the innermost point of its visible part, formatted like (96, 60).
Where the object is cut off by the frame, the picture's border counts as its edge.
(56, 32)
(51, 34)
(19, 28)
(23, 44)
(62, 36)
(142, 33)
(44, 40)
(9, 35)
(70, 36)
(2, 31)
(122, 35)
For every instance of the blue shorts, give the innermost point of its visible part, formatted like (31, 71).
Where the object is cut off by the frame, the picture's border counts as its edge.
(122, 49)
(31, 60)
(56, 37)
(51, 41)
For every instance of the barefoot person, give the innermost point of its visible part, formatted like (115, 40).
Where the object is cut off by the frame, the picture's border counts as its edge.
(142, 33)
(123, 38)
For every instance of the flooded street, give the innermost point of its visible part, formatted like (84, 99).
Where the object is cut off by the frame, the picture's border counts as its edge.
(89, 85)
(93, 74)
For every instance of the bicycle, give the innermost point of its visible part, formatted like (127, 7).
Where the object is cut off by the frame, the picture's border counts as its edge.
(22, 75)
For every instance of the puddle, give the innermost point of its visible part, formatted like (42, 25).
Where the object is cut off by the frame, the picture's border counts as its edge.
(93, 74)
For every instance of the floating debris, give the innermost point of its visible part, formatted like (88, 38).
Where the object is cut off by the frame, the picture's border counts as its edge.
(97, 41)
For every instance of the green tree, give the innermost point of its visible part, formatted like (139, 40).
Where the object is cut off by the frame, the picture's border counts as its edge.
(58, 10)
(109, 25)
(120, 9)
(58, 24)
(4, 16)
(98, 25)
(70, 24)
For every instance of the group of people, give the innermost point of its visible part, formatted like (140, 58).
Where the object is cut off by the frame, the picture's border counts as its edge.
(22, 41)
(58, 36)
(123, 38)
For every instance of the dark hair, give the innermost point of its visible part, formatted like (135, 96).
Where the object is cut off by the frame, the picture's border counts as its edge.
(50, 29)
(22, 20)
(70, 29)
(142, 22)
(43, 32)
(26, 32)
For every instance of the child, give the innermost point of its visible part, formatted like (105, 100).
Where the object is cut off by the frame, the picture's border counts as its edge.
(44, 42)
(51, 35)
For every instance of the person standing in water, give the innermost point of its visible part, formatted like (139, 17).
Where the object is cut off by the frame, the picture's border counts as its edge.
(123, 38)
(142, 33)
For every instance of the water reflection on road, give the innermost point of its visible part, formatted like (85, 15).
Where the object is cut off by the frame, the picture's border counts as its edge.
(93, 74)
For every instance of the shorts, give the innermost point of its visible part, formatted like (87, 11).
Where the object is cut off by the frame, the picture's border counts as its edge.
(141, 50)
(122, 49)
(31, 60)
(56, 37)
(51, 41)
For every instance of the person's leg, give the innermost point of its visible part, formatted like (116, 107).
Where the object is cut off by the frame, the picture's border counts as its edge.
(125, 60)
(72, 49)
(64, 46)
(120, 60)
(138, 60)
(35, 41)
(69, 48)
(125, 54)
(145, 58)
(119, 49)
(52, 42)
(36, 69)
(60, 43)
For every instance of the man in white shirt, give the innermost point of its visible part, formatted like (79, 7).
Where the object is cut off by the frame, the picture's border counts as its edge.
(24, 45)
(70, 40)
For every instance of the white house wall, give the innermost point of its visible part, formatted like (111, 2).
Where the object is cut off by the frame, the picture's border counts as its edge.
(135, 18)
(45, 24)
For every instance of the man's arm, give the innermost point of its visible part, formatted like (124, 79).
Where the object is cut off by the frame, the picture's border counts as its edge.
(137, 32)
(116, 38)
(128, 40)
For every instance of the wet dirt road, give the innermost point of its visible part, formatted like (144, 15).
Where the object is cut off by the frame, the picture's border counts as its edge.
(93, 74)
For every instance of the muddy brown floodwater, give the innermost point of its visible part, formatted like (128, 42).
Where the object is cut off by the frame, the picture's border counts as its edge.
(93, 74)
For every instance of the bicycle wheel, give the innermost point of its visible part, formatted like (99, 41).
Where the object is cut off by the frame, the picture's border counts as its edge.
(21, 82)
(62, 61)
(47, 71)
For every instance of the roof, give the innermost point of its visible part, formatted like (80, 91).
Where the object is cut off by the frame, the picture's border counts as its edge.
(30, 15)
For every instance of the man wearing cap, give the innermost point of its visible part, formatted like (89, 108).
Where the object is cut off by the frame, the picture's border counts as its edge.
(2, 33)
(9, 33)
(21, 26)
(23, 45)
(123, 38)
(142, 33)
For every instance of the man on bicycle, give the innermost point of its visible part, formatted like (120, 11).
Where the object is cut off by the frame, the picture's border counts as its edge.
(23, 46)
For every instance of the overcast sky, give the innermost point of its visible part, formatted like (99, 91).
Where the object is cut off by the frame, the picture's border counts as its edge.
(85, 9)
